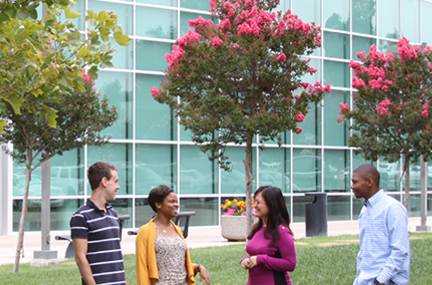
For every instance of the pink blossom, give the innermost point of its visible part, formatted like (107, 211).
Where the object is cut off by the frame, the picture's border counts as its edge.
(361, 55)
(388, 82)
(154, 91)
(343, 108)
(298, 130)
(399, 109)
(216, 41)
(299, 117)
(243, 214)
(230, 212)
(86, 78)
(385, 103)
(304, 85)
(430, 66)
(327, 88)
(236, 46)
(253, 211)
(281, 57)
(296, 96)
(225, 24)
(406, 103)
(228, 5)
(425, 106)
(339, 120)
(200, 22)
(425, 114)
(427, 50)
(385, 88)
(376, 84)
(193, 36)
(353, 64)
(231, 13)
(312, 70)
(356, 83)
(383, 111)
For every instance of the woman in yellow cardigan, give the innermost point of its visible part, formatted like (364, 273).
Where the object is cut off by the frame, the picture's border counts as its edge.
(162, 255)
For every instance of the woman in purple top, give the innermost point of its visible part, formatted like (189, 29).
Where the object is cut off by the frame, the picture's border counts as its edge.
(271, 245)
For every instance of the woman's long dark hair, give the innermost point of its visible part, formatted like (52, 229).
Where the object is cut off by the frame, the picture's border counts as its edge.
(277, 215)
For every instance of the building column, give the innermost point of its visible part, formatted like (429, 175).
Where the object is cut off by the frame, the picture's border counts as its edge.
(6, 181)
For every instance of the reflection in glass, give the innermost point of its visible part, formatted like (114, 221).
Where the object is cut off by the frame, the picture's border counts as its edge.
(275, 168)
(338, 208)
(307, 170)
(389, 19)
(150, 55)
(308, 10)
(124, 13)
(143, 212)
(160, 2)
(364, 17)
(361, 44)
(123, 206)
(299, 208)
(426, 22)
(156, 23)
(198, 175)
(206, 210)
(120, 155)
(67, 172)
(78, 7)
(337, 73)
(155, 165)
(337, 176)
(194, 4)
(235, 181)
(312, 131)
(123, 57)
(390, 174)
(357, 206)
(61, 213)
(117, 86)
(334, 133)
(336, 14)
(411, 20)
(336, 45)
(154, 121)
(358, 160)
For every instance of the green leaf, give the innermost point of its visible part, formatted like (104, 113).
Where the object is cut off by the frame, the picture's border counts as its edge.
(93, 72)
(74, 37)
(15, 104)
(71, 14)
(37, 92)
(2, 124)
(121, 38)
(51, 117)
(104, 32)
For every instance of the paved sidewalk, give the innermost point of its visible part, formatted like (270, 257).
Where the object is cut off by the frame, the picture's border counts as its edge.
(198, 237)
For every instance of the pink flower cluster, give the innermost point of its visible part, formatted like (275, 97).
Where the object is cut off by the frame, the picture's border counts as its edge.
(298, 130)
(406, 51)
(382, 107)
(281, 57)
(200, 22)
(191, 36)
(343, 108)
(174, 56)
(86, 78)
(299, 117)
(154, 91)
(216, 41)
(425, 112)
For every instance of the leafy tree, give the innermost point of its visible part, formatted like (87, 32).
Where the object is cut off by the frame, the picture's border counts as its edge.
(41, 59)
(81, 116)
(241, 78)
(391, 116)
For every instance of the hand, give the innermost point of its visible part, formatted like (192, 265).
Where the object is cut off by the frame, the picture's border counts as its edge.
(204, 275)
(249, 263)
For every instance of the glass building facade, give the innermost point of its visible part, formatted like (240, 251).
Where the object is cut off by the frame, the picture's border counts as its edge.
(150, 148)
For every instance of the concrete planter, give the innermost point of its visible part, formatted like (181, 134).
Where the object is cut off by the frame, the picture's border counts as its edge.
(234, 227)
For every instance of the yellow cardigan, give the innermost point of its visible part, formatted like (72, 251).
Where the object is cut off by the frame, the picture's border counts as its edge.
(146, 264)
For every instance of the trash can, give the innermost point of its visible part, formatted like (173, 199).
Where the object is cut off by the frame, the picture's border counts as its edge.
(316, 215)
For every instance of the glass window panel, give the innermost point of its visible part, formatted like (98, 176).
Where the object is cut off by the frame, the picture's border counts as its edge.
(283, 6)
(155, 121)
(120, 155)
(385, 45)
(308, 10)
(155, 165)
(195, 4)
(35, 188)
(123, 206)
(307, 170)
(143, 212)
(390, 175)
(312, 133)
(124, 13)
(156, 23)
(275, 168)
(388, 19)
(414, 205)
(357, 206)
(123, 57)
(299, 208)
(235, 181)
(337, 176)
(426, 22)
(185, 135)
(186, 16)
(336, 45)
(361, 44)
(61, 213)
(336, 73)
(358, 160)
(172, 3)
(414, 176)
(198, 175)
(334, 133)
(67, 172)
(336, 14)
(364, 16)
(150, 55)
(206, 210)
(315, 63)
(411, 20)
(338, 208)
(117, 86)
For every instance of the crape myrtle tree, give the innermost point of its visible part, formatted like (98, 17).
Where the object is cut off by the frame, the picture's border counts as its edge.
(241, 77)
(81, 116)
(42, 59)
(391, 114)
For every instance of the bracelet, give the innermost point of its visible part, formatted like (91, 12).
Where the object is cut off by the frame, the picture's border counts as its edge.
(198, 267)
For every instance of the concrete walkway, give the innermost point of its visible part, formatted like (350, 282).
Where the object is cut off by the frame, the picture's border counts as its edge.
(198, 237)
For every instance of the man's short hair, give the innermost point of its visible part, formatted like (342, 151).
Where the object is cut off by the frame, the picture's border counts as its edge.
(367, 171)
(99, 170)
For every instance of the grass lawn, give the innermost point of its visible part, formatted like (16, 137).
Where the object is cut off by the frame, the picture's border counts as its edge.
(320, 260)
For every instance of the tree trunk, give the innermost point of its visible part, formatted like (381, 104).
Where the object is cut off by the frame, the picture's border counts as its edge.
(19, 249)
(407, 186)
(249, 177)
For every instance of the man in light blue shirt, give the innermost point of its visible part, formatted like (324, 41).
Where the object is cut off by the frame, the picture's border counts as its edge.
(384, 256)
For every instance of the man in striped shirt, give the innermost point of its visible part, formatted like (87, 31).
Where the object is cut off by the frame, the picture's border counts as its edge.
(384, 256)
(95, 230)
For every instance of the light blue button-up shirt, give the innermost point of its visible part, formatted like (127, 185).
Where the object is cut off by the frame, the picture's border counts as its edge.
(384, 242)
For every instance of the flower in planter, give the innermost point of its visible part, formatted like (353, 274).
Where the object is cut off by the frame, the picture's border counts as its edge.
(236, 207)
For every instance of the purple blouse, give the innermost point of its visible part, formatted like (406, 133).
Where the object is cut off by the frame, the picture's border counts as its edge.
(273, 262)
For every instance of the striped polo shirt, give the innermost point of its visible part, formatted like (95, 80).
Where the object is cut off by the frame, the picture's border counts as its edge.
(102, 231)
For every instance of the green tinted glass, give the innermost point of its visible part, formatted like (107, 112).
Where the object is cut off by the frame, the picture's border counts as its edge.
(195, 4)
(336, 45)
(186, 16)
(307, 171)
(235, 181)
(335, 133)
(426, 23)
(336, 14)
(337, 73)
(308, 10)
(337, 175)
(156, 23)
(124, 13)
(389, 19)
(206, 210)
(364, 16)
(150, 55)
(360, 44)
(338, 208)
(411, 20)
(275, 168)
(312, 131)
